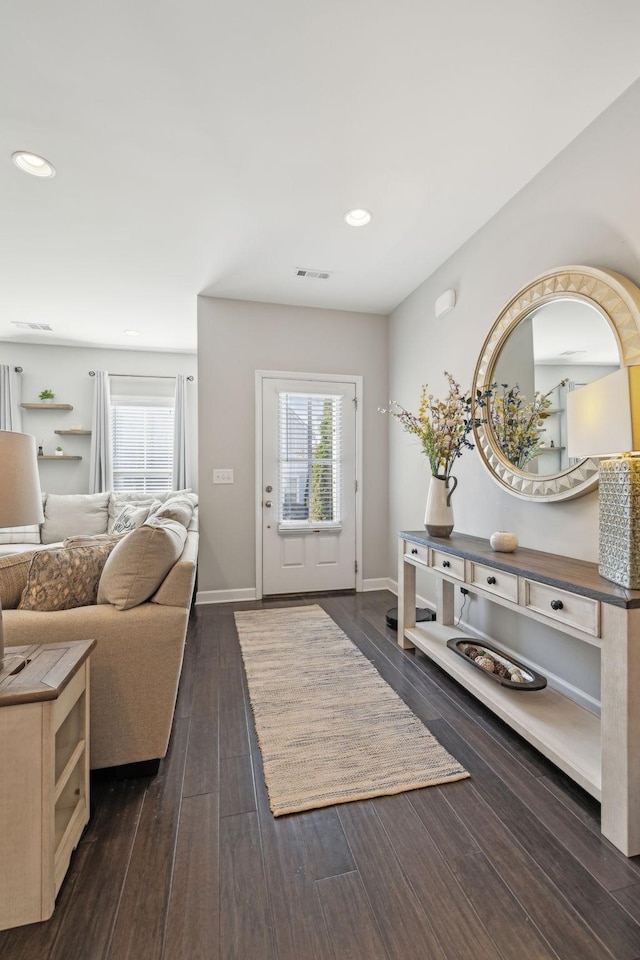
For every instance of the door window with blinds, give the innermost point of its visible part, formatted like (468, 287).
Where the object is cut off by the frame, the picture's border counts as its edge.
(309, 459)
(142, 435)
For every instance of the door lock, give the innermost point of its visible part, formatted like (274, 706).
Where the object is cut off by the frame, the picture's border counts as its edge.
(269, 488)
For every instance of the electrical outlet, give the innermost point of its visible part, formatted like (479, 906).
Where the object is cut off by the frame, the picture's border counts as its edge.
(464, 591)
(224, 475)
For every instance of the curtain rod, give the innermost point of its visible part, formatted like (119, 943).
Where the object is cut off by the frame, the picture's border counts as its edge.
(139, 376)
(18, 369)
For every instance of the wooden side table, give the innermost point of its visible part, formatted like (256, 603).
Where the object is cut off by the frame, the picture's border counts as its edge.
(44, 773)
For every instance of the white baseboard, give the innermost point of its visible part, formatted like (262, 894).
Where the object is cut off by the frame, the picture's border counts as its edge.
(379, 583)
(225, 596)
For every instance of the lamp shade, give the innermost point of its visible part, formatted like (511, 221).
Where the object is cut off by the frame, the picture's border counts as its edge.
(603, 417)
(20, 495)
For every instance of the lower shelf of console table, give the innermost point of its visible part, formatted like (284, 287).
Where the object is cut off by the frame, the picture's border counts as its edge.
(562, 730)
(599, 753)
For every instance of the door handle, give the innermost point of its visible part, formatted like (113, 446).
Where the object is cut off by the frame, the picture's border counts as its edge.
(267, 503)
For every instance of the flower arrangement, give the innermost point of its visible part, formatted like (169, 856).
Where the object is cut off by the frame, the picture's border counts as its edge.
(517, 422)
(442, 426)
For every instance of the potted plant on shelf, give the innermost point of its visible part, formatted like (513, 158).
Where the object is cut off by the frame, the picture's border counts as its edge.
(47, 396)
(59, 451)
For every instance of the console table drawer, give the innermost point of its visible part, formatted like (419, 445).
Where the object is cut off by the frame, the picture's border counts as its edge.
(448, 564)
(415, 552)
(583, 613)
(494, 581)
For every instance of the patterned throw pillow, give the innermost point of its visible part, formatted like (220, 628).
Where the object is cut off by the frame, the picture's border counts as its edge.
(65, 578)
(131, 516)
(14, 572)
(118, 504)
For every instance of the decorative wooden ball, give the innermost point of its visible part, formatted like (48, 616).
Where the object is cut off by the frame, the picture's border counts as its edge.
(503, 541)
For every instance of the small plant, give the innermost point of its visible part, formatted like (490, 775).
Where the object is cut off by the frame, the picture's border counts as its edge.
(46, 395)
(59, 449)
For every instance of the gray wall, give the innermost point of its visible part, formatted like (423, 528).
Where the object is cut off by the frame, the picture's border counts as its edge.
(236, 338)
(584, 208)
(65, 370)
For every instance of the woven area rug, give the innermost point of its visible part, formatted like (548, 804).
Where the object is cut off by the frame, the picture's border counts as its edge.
(330, 728)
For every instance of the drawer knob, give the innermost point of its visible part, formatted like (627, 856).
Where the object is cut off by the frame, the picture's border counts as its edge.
(414, 550)
(557, 604)
(446, 563)
(491, 580)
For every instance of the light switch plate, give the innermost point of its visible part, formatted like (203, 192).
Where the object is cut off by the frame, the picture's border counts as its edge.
(224, 475)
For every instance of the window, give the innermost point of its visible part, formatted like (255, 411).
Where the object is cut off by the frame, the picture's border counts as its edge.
(310, 454)
(142, 433)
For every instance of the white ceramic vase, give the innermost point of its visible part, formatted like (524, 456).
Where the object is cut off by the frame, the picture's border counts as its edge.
(438, 517)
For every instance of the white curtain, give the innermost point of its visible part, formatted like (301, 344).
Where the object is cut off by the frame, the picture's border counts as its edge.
(101, 466)
(10, 395)
(181, 476)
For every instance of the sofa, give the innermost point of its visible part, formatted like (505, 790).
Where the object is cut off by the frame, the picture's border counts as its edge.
(123, 575)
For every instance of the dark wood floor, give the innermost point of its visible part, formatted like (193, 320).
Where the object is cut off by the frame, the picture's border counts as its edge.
(191, 865)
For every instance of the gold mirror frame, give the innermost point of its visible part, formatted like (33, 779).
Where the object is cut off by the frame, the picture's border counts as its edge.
(618, 300)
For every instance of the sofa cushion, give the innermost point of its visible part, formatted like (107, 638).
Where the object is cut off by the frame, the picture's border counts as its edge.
(69, 514)
(14, 572)
(140, 562)
(64, 578)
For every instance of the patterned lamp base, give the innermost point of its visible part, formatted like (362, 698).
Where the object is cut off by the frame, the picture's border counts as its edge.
(619, 495)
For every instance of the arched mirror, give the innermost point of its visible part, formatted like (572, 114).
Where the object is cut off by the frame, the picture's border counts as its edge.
(564, 329)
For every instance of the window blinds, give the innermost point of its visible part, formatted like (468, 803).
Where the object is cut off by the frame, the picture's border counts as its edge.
(142, 447)
(310, 458)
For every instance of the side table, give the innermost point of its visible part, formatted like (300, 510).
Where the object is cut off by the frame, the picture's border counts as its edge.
(44, 773)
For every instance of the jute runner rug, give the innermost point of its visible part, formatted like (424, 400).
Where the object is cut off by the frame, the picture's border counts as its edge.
(330, 728)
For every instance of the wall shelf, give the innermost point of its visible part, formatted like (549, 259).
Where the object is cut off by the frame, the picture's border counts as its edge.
(47, 406)
(53, 456)
(73, 433)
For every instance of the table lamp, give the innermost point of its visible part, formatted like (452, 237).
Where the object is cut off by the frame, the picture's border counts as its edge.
(20, 495)
(603, 421)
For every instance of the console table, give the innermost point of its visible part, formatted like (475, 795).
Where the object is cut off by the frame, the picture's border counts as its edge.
(602, 754)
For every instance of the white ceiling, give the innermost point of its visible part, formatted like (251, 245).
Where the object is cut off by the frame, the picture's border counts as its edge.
(203, 146)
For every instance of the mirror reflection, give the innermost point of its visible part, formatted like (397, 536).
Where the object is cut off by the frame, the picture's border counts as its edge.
(556, 348)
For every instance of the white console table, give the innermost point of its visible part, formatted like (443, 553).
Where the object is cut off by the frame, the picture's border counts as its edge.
(602, 754)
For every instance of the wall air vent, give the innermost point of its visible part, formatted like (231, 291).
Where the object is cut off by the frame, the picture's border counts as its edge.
(312, 274)
(31, 326)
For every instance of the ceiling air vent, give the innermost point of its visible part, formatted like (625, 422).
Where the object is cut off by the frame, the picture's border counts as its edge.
(312, 274)
(31, 326)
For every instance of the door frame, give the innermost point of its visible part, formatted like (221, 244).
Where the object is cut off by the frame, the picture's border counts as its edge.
(260, 376)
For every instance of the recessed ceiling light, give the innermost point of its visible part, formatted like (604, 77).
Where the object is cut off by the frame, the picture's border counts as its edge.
(358, 217)
(132, 333)
(33, 164)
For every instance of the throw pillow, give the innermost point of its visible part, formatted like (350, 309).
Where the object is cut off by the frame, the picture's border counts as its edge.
(29, 534)
(14, 572)
(129, 518)
(64, 578)
(68, 514)
(140, 562)
(177, 508)
(118, 504)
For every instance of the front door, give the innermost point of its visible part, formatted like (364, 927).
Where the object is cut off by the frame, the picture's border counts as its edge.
(308, 497)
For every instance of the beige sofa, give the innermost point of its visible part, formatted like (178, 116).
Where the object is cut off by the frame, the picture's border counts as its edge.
(135, 667)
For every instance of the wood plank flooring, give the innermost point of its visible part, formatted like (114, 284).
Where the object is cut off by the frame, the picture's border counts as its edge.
(190, 865)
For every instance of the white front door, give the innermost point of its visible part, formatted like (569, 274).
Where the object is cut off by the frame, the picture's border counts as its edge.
(308, 496)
